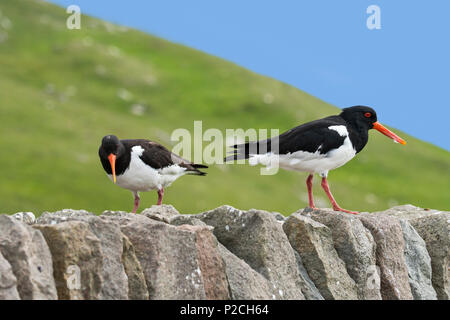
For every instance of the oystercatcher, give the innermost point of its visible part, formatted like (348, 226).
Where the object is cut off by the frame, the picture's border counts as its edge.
(143, 165)
(317, 146)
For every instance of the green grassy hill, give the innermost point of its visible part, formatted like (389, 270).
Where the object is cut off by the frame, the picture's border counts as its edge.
(62, 90)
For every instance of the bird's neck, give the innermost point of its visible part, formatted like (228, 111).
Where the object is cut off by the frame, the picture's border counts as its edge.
(359, 135)
(123, 160)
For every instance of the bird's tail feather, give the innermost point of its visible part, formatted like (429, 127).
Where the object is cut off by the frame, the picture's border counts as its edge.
(245, 150)
(202, 166)
(236, 156)
(194, 169)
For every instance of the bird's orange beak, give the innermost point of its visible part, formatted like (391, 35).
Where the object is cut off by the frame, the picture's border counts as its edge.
(378, 126)
(112, 161)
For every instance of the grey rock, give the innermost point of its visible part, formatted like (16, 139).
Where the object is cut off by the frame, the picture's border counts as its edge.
(63, 216)
(29, 256)
(314, 243)
(8, 281)
(244, 282)
(107, 241)
(309, 289)
(77, 259)
(354, 245)
(388, 235)
(171, 257)
(226, 253)
(188, 219)
(408, 211)
(418, 262)
(111, 213)
(211, 264)
(162, 213)
(137, 287)
(256, 237)
(278, 216)
(434, 230)
(25, 217)
(433, 226)
(115, 279)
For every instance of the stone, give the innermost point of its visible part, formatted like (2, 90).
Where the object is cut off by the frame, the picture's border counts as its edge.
(256, 237)
(433, 226)
(106, 240)
(308, 287)
(25, 217)
(388, 235)
(278, 216)
(172, 257)
(244, 282)
(8, 281)
(63, 216)
(211, 264)
(188, 219)
(162, 213)
(29, 256)
(77, 259)
(226, 253)
(409, 212)
(418, 262)
(434, 230)
(137, 287)
(112, 213)
(115, 280)
(354, 245)
(314, 243)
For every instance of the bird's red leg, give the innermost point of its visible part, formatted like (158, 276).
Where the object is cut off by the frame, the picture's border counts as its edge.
(136, 202)
(160, 196)
(336, 207)
(309, 185)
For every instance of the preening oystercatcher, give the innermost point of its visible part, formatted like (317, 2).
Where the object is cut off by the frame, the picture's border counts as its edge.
(316, 147)
(143, 165)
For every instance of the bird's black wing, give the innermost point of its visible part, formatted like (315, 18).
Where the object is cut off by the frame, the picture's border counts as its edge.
(157, 156)
(314, 136)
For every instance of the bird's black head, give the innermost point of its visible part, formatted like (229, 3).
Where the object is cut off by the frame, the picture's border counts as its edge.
(361, 117)
(111, 149)
(365, 118)
(111, 145)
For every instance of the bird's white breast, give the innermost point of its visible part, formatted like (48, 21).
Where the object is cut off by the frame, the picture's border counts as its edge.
(311, 161)
(142, 177)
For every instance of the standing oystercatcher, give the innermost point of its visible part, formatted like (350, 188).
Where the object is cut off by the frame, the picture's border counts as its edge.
(143, 165)
(317, 146)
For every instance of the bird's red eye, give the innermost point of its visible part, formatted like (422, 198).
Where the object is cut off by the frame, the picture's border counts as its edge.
(367, 114)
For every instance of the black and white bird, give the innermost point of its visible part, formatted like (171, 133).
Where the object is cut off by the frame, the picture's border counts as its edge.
(143, 165)
(317, 146)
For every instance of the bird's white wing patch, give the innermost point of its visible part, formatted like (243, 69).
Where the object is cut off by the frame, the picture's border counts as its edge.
(290, 161)
(342, 130)
(137, 151)
(172, 170)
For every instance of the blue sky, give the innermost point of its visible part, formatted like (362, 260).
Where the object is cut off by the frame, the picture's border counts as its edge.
(322, 47)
